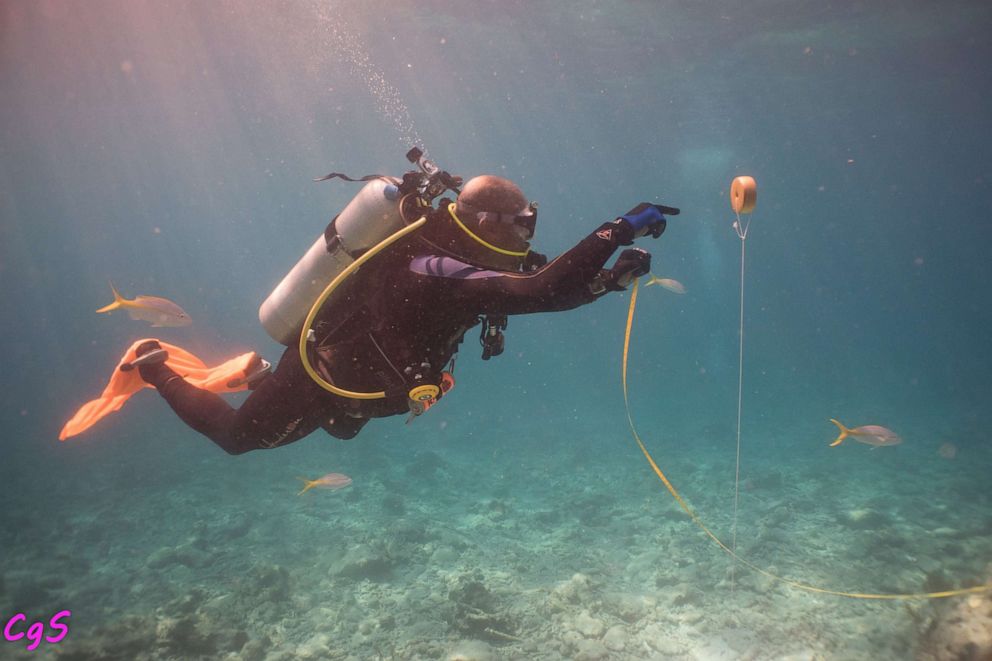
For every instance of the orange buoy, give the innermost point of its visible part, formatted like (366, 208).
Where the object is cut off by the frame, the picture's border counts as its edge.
(743, 194)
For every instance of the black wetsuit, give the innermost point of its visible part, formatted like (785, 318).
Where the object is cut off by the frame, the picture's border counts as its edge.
(414, 318)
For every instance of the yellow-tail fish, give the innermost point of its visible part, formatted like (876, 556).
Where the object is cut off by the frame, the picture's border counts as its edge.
(873, 435)
(332, 481)
(159, 312)
(667, 283)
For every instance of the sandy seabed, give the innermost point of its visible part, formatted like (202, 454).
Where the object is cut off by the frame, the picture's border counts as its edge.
(525, 556)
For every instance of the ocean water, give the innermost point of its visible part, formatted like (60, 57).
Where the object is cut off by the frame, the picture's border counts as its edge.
(170, 147)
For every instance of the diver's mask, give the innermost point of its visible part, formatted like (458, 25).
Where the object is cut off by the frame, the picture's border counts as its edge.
(500, 244)
(526, 220)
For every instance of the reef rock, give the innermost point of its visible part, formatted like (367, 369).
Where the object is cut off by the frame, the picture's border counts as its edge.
(168, 556)
(471, 650)
(615, 638)
(961, 631)
(863, 519)
(363, 561)
(576, 590)
(475, 611)
(589, 626)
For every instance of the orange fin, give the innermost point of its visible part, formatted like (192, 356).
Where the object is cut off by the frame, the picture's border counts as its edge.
(844, 431)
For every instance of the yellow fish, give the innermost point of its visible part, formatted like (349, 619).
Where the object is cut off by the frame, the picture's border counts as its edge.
(669, 284)
(332, 481)
(159, 312)
(874, 435)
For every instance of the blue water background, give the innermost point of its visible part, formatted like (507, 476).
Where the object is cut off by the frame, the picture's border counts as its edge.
(170, 147)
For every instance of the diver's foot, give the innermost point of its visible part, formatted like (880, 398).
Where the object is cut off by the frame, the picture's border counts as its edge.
(255, 373)
(148, 353)
(147, 347)
(150, 363)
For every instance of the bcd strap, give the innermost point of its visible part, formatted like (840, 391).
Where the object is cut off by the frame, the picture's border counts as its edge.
(338, 175)
(412, 182)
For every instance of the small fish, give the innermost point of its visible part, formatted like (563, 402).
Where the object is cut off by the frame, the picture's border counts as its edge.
(332, 481)
(159, 312)
(669, 284)
(873, 435)
(947, 450)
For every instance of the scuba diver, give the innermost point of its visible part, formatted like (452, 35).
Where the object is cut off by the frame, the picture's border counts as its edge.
(381, 340)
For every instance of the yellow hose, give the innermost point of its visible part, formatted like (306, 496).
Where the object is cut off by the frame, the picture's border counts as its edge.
(695, 517)
(328, 290)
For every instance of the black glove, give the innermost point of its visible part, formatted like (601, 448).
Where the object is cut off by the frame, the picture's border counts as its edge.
(632, 263)
(533, 261)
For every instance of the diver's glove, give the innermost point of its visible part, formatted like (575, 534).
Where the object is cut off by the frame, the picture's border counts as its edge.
(632, 263)
(647, 218)
(533, 261)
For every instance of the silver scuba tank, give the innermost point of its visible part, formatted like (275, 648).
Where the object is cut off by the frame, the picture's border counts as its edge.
(371, 216)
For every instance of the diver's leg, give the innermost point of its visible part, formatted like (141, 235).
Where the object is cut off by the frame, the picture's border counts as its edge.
(286, 406)
(343, 426)
(283, 409)
(204, 411)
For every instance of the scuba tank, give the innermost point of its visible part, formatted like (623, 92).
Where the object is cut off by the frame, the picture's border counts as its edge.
(371, 216)
(369, 219)
(373, 220)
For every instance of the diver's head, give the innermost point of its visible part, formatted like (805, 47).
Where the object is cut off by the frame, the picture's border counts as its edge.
(495, 220)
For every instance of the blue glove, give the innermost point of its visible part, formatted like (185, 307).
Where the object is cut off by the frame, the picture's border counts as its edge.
(645, 219)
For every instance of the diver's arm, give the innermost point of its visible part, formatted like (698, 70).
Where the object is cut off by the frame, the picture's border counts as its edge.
(572, 279)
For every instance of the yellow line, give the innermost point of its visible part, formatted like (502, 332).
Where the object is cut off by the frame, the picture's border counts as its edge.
(688, 510)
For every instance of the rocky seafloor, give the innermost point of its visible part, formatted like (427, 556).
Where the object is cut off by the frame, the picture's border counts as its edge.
(434, 555)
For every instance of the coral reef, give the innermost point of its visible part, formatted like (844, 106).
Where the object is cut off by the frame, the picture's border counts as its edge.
(960, 629)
